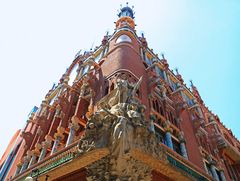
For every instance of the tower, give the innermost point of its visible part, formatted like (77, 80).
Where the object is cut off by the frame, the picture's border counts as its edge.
(120, 113)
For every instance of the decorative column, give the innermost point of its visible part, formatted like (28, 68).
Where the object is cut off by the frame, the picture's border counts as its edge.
(19, 166)
(73, 126)
(58, 137)
(212, 168)
(25, 162)
(151, 126)
(223, 178)
(183, 145)
(168, 134)
(45, 145)
(34, 154)
(214, 172)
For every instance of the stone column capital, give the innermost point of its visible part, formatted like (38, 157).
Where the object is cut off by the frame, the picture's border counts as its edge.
(26, 158)
(59, 133)
(210, 160)
(167, 126)
(37, 149)
(74, 123)
(47, 142)
(19, 164)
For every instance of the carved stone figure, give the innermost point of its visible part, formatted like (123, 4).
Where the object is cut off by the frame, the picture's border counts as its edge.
(125, 91)
(86, 91)
(121, 129)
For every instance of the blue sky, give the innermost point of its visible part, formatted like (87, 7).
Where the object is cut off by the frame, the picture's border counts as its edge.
(38, 41)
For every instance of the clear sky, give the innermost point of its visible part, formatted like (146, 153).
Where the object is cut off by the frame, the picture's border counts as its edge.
(39, 39)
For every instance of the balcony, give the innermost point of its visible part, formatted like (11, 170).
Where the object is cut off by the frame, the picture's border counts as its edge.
(62, 162)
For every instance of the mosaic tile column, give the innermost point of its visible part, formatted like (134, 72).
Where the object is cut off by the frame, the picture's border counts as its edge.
(58, 137)
(19, 166)
(223, 178)
(169, 139)
(214, 172)
(25, 163)
(45, 145)
(74, 126)
(168, 134)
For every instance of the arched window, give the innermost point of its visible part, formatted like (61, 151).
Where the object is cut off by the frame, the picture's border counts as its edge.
(123, 38)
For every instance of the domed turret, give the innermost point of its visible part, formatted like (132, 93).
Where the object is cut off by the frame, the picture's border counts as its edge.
(126, 11)
(126, 18)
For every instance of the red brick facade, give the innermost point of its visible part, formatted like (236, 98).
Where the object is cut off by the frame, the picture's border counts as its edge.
(191, 133)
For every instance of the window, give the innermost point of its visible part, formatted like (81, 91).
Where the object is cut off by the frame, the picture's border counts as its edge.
(172, 85)
(106, 90)
(232, 172)
(209, 171)
(159, 135)
(208, 168)
(188, 100)
(73, 75)
(219, 175)
(123, 38)
(85, 69)
(98, 57)
(176, 146)
(159, 72)
(146, 59)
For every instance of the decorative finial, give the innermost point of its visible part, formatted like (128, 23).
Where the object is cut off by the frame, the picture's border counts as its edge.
(176, 69)
(54, 85)
(162, 54)
(78, 53)
(126, 11)
(191, 82)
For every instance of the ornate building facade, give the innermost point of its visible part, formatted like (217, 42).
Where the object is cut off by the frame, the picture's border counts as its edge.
(119, 113)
